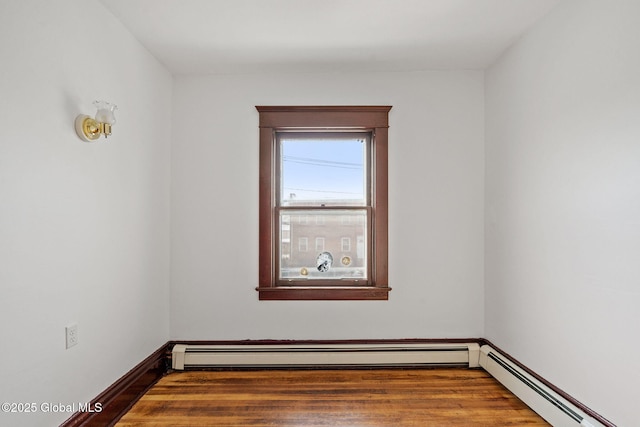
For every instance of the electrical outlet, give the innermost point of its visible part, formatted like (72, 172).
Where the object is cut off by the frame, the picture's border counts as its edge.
(72, 335)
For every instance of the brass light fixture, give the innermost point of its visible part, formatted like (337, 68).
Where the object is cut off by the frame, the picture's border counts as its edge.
(90, 129)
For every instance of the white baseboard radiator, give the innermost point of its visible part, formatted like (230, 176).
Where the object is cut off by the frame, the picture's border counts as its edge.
(324, 355)
(555, 409)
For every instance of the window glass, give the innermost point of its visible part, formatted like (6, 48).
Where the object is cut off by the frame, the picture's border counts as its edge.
(333, 257)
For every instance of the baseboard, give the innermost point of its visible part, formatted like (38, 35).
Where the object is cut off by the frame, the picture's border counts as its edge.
(116, 400)
(334, 355)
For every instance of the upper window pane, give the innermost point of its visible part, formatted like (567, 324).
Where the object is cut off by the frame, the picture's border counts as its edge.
(323, 169)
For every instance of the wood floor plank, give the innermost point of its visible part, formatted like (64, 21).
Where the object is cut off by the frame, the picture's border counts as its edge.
(318, 398)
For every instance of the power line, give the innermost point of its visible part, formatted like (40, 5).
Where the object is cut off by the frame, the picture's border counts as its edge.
(311, 159)
(319, 162)
(321, 191)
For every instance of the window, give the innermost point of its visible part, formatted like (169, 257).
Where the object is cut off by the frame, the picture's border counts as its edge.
(329, 163)
(346, 244)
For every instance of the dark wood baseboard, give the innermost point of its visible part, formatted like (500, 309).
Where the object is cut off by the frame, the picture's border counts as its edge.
(121, 395)
(331, 342)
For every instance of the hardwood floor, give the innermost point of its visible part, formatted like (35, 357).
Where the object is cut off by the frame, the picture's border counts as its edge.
(378, 397)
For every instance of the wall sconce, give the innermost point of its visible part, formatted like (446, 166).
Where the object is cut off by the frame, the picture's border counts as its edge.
(89, 129)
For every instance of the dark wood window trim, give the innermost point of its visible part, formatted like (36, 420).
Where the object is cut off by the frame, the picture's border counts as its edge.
(331, 118)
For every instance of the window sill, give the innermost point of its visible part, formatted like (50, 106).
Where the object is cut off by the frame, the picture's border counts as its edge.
(322, 293)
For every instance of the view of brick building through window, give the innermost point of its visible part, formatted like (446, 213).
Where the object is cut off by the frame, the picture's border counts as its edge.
(306, 235)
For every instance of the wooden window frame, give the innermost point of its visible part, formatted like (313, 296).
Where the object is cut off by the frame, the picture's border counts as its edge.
(373, 119)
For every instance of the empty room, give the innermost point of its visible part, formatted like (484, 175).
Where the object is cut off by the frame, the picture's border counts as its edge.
(215, 187)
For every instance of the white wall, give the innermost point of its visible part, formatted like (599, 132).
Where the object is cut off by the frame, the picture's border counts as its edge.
(436, 160)
(563, 203)
(84, 228)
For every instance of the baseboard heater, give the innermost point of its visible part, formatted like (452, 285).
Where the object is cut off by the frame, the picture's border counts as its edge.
(555, 409)
(320, 355)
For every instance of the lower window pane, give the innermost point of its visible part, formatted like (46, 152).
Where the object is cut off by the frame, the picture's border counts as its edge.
(323, 244)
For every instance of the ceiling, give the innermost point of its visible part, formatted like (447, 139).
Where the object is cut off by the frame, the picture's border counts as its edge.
(243, 36)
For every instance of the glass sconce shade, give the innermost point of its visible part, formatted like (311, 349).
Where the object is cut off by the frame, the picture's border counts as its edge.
(105, 112)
